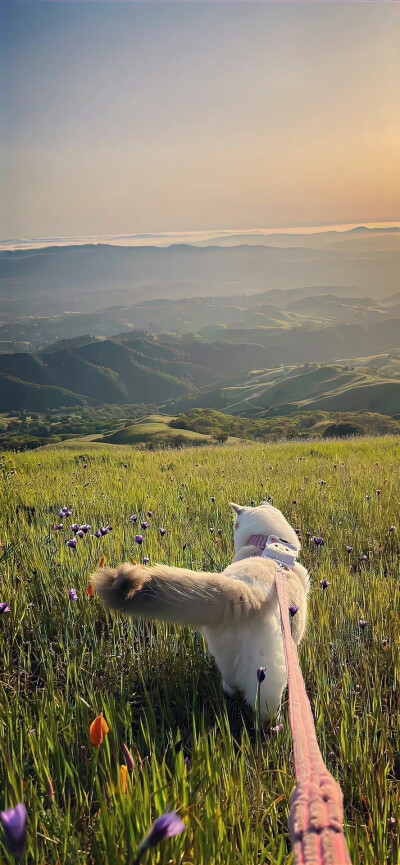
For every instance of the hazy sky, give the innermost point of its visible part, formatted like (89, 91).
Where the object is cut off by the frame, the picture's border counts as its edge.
(142, 117)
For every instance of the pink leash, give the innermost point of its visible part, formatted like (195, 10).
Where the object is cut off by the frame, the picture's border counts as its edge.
(316, 803)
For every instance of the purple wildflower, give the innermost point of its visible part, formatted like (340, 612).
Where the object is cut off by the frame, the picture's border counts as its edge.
(14, 828)
(146, 560)
(5, 607)
(130, 763)
(80, 533)
(105, 530)
(163, 532)
(362, 624)
(378, 492)
(133, 518)
(213, 498)
(58, 527)
(294, 502)
(85, 528)
(144, 525)
(324, 584)
(71, 543)
(278, 728)
(72, 595)
(392, 529)
(65, 512)
(75, 527)
(318, 541)
(261, 674)
(97, 533)
(138, 539)
(149, 513)
(363, 558)
(167, 826)
(349, 549)
(293, 609)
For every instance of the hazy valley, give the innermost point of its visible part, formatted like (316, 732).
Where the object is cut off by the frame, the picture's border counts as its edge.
(242, 329)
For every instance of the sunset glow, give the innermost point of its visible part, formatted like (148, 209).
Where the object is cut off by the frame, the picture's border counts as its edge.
(130, 118)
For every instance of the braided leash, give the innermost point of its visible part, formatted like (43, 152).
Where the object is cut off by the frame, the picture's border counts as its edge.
(316, 803)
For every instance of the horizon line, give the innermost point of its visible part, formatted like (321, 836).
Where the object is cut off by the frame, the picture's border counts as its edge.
(171, 237)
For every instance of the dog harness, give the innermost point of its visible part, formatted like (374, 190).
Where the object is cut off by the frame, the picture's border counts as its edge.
(282, 552)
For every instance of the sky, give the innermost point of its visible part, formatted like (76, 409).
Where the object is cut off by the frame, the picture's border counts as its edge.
(175, 117)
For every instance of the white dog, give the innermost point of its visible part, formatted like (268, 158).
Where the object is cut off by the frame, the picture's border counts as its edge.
(237, 611)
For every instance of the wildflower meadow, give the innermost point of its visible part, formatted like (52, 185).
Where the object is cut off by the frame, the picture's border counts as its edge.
(117, 743)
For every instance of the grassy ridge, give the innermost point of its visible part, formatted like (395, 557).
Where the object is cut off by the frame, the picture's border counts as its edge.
(153, 428)
(64, 661)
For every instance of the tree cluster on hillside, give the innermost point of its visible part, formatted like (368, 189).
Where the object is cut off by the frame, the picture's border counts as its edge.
(25, 430)
(300, 425)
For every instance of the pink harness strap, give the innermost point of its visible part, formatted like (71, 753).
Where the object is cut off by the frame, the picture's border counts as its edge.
(316, 803)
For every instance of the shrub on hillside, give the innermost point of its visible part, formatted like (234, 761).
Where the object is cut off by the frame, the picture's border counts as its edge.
(342, 430)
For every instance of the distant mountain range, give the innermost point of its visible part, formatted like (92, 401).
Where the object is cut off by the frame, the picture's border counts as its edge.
(228, 327)
(204, 237)
(212, 318)
(88, 278)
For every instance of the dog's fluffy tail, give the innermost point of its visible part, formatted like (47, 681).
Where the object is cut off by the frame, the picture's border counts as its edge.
(176, 595)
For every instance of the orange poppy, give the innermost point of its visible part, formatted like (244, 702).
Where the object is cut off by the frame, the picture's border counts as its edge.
(123, 771)
(90, 590)
(102, 562)
(98, 729)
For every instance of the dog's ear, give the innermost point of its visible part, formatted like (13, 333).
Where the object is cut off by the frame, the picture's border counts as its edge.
(237, 508)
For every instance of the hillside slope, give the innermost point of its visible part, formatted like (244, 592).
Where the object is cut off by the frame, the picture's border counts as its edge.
(107, 372)
(156, 369)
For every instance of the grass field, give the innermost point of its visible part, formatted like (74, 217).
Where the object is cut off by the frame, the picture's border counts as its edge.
(65, 661)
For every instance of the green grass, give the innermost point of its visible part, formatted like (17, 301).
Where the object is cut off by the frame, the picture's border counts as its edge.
(64, 662)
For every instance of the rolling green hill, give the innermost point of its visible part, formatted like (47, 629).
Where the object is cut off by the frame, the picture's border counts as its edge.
(274, 378)
(102, 372)
(310, 387)
(155, 429)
